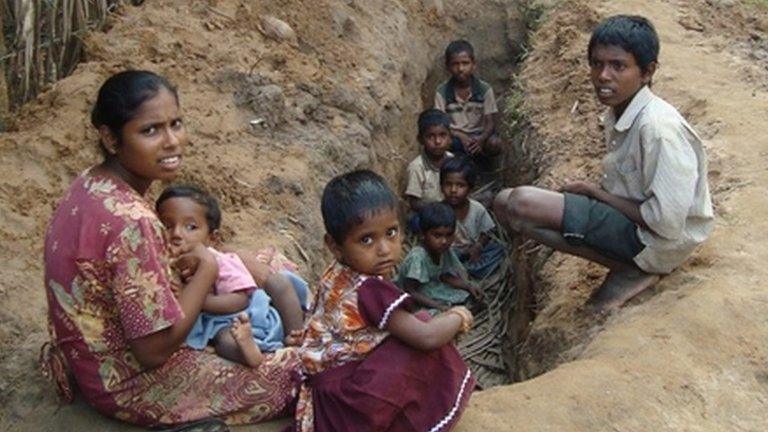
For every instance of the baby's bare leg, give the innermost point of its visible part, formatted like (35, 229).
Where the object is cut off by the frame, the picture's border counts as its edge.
(284, 298)
(236, 343)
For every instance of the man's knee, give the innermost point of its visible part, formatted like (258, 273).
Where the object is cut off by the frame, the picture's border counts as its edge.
(515, 205)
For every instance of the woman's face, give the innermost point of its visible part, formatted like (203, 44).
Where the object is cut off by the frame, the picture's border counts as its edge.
(152, 142)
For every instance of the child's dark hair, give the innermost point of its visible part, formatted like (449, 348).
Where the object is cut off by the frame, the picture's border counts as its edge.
(350, 198)
(460, 165)
(456, 47)
(633, 33)
(435, 215)
(120, 97)
(212, 210)
(433, 117)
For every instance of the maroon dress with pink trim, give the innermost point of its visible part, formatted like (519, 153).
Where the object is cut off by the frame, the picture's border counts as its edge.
(108, 281)
(359, 378)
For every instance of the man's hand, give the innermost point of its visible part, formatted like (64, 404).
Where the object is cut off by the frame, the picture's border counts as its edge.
(581, 188)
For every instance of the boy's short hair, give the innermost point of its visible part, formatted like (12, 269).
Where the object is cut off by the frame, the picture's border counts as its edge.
(433, 117)
(196, 194)
(350, 198)
(633, 33)
(435, 215)
(459, 165)
(456, 47)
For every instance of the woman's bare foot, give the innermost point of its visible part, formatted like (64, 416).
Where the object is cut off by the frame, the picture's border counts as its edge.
(241, 332)
(620, 286)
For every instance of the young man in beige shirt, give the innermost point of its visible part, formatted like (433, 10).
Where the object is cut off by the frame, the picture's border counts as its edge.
(653, 206)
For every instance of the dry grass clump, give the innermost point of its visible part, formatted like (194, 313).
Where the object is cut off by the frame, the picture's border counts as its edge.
(41, 42)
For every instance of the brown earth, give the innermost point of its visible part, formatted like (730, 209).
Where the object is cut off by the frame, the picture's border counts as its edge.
(689, 356)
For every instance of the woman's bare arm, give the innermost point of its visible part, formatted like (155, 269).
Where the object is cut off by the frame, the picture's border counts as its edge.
(154, 349)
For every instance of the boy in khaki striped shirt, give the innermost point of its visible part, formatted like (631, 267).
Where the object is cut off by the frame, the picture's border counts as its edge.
(653, 206)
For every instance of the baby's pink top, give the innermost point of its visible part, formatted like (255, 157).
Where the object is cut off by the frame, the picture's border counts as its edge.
(233, 275)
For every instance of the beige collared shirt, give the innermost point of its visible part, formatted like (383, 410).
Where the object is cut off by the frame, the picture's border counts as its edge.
(424, 179)
(655, 158)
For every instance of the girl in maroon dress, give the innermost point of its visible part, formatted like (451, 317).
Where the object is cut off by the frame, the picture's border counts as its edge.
(118, 315)
(369, 364)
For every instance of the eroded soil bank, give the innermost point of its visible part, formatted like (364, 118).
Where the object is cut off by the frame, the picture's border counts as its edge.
(689, 356)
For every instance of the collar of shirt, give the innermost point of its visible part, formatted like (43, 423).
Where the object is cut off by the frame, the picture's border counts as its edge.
(639, 101)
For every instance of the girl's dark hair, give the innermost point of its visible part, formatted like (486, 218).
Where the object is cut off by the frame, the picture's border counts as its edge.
(435, 215)
(350, 198)
(433, 117)
(120, 97)
(456, 47)
(633, 33)
(212, 210)
(460, 165)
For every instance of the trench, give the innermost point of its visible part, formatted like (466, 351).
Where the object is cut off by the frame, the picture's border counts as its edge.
(495, 347)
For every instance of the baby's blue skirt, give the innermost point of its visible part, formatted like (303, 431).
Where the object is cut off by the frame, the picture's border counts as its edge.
(266, 326)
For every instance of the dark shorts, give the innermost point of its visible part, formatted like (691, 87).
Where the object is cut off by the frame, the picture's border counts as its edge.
(592, 223)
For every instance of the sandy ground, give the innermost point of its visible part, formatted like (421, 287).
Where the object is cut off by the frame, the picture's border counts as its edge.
(689, 356)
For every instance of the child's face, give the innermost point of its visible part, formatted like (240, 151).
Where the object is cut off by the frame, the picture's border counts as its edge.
(185, 222)
(436, 140)
(372, 247)
(461, 67)
(438, 240)
(616, 76)
(455, 189)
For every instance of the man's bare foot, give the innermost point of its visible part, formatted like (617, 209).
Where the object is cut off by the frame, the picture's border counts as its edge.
(241, 332)
(620, 286)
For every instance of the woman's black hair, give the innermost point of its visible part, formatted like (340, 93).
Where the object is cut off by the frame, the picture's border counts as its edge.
(350, 198)
(435, 215)
(460, 165)
(433, 117)
(212, 210)
(456, 47)
(633, 33)
(120, 97)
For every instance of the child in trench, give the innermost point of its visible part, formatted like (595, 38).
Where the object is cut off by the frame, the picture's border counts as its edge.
(423, 173)
(652, 207)
(237, 318)
(471, 105)
(371, 365)
(473, 244)
(431, 272)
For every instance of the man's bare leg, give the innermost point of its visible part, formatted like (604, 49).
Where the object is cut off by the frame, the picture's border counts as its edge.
(534, 213)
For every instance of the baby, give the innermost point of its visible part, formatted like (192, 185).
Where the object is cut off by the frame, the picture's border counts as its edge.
(237, 318)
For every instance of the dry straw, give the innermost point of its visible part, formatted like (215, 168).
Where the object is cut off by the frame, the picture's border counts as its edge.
(42, 42)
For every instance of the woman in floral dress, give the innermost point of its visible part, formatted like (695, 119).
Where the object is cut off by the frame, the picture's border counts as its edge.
(118, 314)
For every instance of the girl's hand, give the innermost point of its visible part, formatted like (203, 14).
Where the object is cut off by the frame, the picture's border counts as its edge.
(467, 320)
(474, 252)
(295, 338)
(475, 291)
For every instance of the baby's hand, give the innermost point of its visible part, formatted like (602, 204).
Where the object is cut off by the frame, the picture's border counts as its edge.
(190, 261)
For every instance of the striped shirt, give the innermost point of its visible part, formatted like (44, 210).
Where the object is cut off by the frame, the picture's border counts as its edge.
(466, 115)
(655, 158)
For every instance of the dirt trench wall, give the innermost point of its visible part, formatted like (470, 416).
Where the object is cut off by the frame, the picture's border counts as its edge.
(270, 122)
